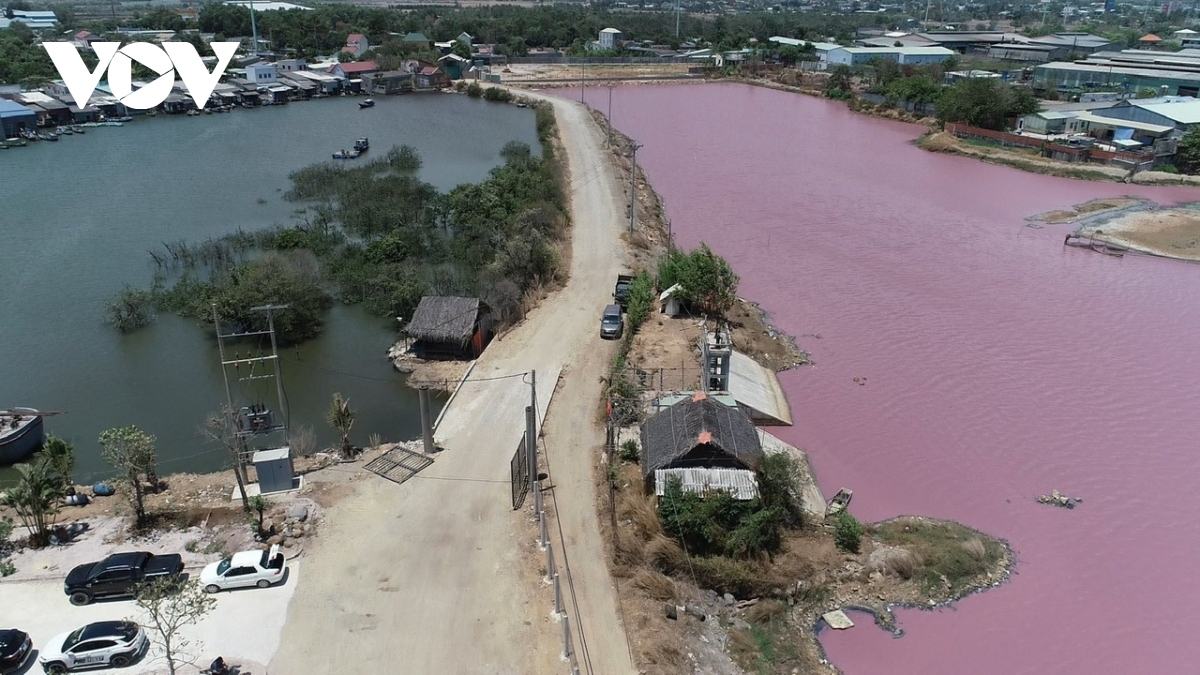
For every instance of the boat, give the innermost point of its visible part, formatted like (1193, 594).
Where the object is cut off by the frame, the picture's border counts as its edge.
(839, 502)
(247, 105)
(21, 433)
(48, 137)
(362, 144)
(369, 103)
(193, 113)
(151, 113)
(126, 118)
(77, 129)
(346, 154)
(522, 105)
(208, 111)
(65, 131)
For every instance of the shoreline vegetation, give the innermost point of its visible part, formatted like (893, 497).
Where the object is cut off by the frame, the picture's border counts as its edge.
(767, 572)
(373, 234)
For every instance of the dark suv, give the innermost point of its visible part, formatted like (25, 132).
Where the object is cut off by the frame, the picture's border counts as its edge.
(15, 648)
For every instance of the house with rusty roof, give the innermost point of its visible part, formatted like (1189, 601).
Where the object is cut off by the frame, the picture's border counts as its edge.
(353, 69)
(705, 443)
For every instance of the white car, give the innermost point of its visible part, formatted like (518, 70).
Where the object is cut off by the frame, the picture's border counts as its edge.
(104, 644)
(244, 569)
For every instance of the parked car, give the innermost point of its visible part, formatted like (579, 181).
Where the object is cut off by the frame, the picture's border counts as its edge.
(612, 324)
(118, 575)
(243, 570)
(104, 644)
(15, 648)
(621, 289)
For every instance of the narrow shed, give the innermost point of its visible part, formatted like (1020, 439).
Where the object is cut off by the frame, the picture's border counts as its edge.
(449, 327)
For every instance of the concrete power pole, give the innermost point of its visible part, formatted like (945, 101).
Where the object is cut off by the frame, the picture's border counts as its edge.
(531, 434)
(270, 310)
(610, 88)
(677, 9)
(254, 30)
(633, 188)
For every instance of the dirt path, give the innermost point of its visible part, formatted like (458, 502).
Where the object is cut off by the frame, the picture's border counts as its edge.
(437, 574)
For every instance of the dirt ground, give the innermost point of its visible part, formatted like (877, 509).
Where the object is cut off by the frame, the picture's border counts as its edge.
(591, 74)
(1172, 232)
(442, 376)
(1089, 208)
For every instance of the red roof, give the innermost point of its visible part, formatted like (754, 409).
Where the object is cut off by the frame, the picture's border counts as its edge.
(83, 34)
(349, 50)
(429, 71)
(356, 67)
(355, 37)
(1150, 37)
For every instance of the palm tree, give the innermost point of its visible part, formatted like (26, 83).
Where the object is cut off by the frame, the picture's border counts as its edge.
(341, 417)
(35, 498)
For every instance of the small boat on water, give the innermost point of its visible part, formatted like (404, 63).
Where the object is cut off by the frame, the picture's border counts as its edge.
(123, 119)
(48, 137)
(65, 131)
(362, 144)
(346, 154)
(522, 105)
(21, 433)
(77, 129)
(839, 502)
(369, 103)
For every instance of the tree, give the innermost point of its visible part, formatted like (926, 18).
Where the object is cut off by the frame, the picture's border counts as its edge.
(35, 498)
(258, 514)
(985, 102)
(1187, 153)
(461, 49)
(60, 455)
(707, 282)
(847, 532)
(222, 428)
(170, 604)
(839, 84)
(131, 451)
(341, 417)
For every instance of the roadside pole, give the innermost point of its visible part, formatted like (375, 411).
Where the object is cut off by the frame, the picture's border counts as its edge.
(633, 188)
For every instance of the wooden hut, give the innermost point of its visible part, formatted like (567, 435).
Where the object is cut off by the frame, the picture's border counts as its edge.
(449, 328)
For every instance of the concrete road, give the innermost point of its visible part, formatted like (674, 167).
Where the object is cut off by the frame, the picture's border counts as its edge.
(430, 576)
(244, 627)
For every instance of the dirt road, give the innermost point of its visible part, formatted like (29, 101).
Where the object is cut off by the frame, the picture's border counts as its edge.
(433, 576)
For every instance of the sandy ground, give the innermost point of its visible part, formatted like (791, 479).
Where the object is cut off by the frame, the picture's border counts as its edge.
(591, 74)
(446, 572)
(1174, 233)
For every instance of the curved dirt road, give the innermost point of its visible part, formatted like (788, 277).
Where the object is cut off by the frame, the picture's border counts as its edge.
(434, 576)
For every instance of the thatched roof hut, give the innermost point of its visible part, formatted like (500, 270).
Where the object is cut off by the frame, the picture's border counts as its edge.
(448, 326)
(700, 432)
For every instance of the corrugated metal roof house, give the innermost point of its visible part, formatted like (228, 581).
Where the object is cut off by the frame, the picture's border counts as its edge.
(699, 433)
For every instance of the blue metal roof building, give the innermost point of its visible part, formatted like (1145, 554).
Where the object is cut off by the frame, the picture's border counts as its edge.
(15, 118)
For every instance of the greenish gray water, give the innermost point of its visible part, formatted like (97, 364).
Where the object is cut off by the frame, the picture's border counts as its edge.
(80, 215)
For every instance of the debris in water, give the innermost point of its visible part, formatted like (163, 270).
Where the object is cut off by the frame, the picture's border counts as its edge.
(838, 620)
(1057, 498)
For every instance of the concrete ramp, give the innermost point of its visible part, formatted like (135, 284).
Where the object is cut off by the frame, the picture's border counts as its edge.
(810, 492)
(757, 390)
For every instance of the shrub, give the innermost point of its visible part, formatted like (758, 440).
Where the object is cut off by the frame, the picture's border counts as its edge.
(707, 282)
(847, 532)
(474, 90)
(639, 300)
(130, 310)
(778, 489)
(629, 451)
(497, 94)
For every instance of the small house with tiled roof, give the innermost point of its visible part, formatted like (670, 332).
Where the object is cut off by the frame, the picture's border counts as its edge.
(356, 45)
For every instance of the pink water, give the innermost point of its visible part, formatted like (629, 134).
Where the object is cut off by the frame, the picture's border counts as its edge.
(999, 366)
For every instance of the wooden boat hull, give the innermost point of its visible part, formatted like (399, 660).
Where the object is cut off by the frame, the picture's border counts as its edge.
(20, 443)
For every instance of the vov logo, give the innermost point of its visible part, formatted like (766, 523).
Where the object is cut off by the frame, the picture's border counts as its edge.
(168, 60)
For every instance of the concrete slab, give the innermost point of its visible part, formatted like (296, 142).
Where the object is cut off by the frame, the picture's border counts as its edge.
(810, 493)
(838, 620)
(758, 389)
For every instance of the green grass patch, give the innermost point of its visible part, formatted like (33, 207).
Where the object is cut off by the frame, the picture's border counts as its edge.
(951, 558)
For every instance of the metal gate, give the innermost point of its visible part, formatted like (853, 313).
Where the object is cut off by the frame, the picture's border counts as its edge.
(520, 475)
(399, 464)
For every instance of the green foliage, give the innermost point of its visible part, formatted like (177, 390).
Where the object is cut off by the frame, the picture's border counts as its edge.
(341, 417)
(1187, 153)
(60, 455)
(131, 452)
(497, 94)
(629, 451)
(639, 301)
(169, 604)
(951, 558)
(847, 532)
(474, 90)
(257, 513)
(23, 61)
(35, 498)
(840, 82)
(778, 489)
(7, 568)
(292, 278)
(707, 282)
(987, 103)
(130, 310)
(919, 89)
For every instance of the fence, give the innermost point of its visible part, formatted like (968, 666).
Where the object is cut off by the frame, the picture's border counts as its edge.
(683, 378)
(584, 60)
(519, 468)
(1059, 151)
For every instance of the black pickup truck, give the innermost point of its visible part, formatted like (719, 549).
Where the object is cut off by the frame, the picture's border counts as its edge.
(118, 574)
(621, 290)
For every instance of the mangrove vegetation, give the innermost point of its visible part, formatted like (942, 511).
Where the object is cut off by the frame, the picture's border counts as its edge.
(374, 235)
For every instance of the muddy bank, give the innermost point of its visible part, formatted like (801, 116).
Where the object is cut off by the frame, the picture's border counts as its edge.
(1139, 225)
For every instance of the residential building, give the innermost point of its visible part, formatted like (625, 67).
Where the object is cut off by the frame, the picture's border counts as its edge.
(49, 110)
(453, 65)
(429, 77)
(1188, 38)
(417, 40)
(1149, 41)
(267, 6)
(822, 49)
(326, 84)
(356, 45)
(855, 56)
(703, 441)
(465, 38)
(291, 65)
(353, 69)
(610, 38)
(84, 39)
(15, 118)
(449, 327)
(1050, 122)
(261, 74)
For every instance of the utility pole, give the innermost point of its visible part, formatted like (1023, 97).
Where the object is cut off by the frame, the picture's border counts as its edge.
(633, 188)
(254, 30)
(531, 435)
(925, 24)
(270, 310)
(610, 88)
(581, 83)
(677, 19)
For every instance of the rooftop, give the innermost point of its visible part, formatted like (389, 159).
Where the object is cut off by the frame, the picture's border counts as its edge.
(444, 319)
(13, 109)
(671, 435)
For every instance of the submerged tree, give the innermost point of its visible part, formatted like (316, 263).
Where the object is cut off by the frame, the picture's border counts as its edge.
(341, 417)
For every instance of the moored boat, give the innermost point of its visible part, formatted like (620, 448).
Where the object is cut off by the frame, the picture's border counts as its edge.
(362, 144)
(839, 502)
(77, 129)
(21, 433)
(369, 103)
(346, 154)
(48, 137)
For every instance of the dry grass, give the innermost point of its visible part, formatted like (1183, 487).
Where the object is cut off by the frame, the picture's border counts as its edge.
(975, 549)
(904, 564)
(764, 611)
(656, 585)
(666, 653)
